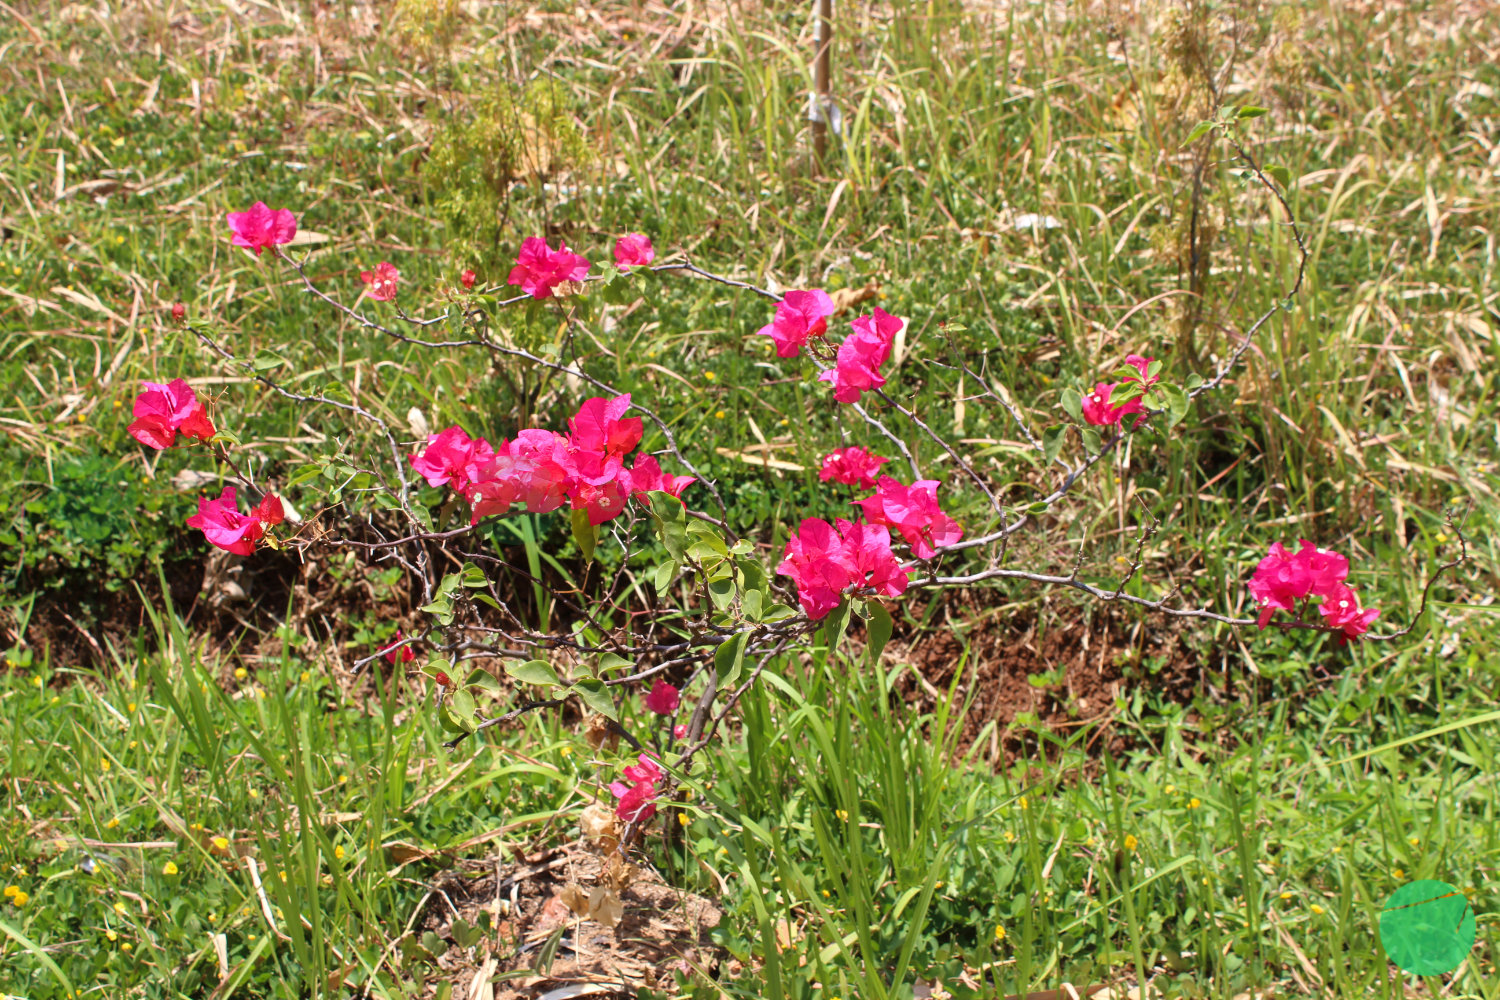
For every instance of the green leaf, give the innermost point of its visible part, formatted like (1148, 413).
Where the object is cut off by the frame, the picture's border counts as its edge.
(1072, 402)
(954, 328)
(611, 662)
(306, 474)
(442, 608)
(538, 672)
(777, 612)
(485, 681)
(1198, 132)
(1176, 403)
(877, 632)
(752, 601)
(1052, 441)
(264, 361)
(729, 659)
(836, 624)
(585, 534)
(721, 591)
(1280, 174)
(1251, 111)
(669, 515)
(1194, 381)
(460, 707)
(596, 696)
(472, 576)
(1040, 507)
(1427, 927)
(663, 577)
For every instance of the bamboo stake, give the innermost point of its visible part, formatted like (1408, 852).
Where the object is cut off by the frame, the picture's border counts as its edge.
(822, 83)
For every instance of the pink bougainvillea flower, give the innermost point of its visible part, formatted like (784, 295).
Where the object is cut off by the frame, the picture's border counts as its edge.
(1099, 411)
(1325, 570)
(1279, 582)
(601, 502)
(467, 278)
(852, 466)
(663, 699)
(598, 426)
(861, 355)
(179, 312)
(868, 547)
(540, 269)
(451, 458)
(637, 799)
(260, 227)
(394, 651)
(161, 411)
(913, 511)
(824, 561)
(224, 526)
(679, 732)
(1341, 609)
(382, 281)
(633, 250)
(646, 477)
(800, 316)
(532, 470)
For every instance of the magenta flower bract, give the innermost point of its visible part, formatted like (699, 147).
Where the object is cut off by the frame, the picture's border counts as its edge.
(663, 699)
(852, 466)
(382, 281)
(394, 651)
(260, 227)
(451, 458)
(646, 477)
(637, 799)
(224, 526)
(824, 561)
(161, 411)
(1283, 578)
(861, 355)
(633, 250)
(800, 316)
(913, 511)
(539, 269)
(467, 278)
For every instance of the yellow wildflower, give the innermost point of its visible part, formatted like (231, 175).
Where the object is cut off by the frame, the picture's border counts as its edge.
(1130, 842)
(169, 869)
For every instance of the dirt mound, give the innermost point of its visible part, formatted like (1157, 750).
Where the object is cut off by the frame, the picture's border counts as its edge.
(525, 918)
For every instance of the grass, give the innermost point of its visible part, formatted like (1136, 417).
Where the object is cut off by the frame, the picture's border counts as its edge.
(1362, 413)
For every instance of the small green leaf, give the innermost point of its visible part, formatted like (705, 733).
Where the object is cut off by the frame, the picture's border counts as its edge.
(461, 704)
(1280, 174)
(671, 522)
(1194, 381)
(1091, 442)
(585, 534)
(777, 612)
(611, 662)
(1198, 132)
(264, 361)
(1072, 403)
(1040, 507)
(954, 328)
(722, 591)
(1052, 441)
(836, 624)
(1176, 403)
(877, 632)
(664, 575)
(596, 696)
(306, 474)
(1251, 111)
(538, 672)
(729, 658)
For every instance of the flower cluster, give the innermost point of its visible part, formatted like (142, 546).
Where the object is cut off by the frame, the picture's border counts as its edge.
(861, 355)
(633, 250)
(395, 652)
(540, 269)
(1284, 578)
(913, 511)
(260, 227)
(1097, 408)
(544, 469)
(162, 411)
(824, 560)
(851, 466)
(800, 316)
(638, 798)
(381, 281)
(223, 525)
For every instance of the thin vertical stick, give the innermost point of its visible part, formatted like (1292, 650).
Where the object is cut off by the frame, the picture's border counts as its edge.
(821, 83)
